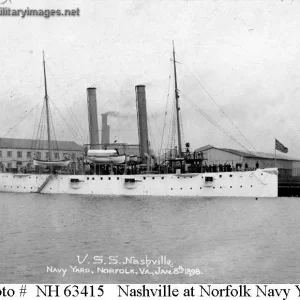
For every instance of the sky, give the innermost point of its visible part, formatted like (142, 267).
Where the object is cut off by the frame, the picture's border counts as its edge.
(238, 69)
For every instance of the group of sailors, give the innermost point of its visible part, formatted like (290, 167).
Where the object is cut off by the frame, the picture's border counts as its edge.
(226, 167)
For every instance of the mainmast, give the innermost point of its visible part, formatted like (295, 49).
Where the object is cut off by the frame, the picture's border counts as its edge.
(47, 109)
(177, 105)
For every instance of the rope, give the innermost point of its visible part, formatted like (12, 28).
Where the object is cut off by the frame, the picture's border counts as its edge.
(41, 128)
(171, 136)
(220, 128)
(33, 131)
(211, 97)
(53, 131)
(20, 121)
(216, 124)
(182, 131)
(166, 109)
(64, 119)
(69, 109)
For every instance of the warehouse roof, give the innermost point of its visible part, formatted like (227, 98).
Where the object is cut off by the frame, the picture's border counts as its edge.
(249, 154)
(35, 144)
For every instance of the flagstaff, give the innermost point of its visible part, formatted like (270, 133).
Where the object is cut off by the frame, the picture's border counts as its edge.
(280, 147)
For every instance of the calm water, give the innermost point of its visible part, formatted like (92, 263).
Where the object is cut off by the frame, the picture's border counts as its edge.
(228, 240)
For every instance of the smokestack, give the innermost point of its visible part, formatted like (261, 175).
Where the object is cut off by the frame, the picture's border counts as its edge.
(142, 121)
(105, 136)
(93, 118)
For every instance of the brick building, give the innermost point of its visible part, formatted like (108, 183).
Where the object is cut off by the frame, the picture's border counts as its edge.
(20, 152)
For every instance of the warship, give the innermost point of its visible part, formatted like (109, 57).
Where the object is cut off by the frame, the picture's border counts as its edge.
(107, 172)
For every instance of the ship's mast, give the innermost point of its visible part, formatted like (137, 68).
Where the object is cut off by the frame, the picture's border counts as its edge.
(177, 105)
(47, 109)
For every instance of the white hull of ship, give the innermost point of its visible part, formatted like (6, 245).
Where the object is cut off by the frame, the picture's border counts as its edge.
(259, 183)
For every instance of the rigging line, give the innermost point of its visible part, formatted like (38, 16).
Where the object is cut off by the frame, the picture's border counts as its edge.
(219, 127)
(152, 116)
(171, 123)
(69, 109)
(43, 129)
(76, 127)
(166, 108)
(39, 128)
(182, 132)
(78, 138)
(172, 131)
(225, 132)
(21, 119)
(82, 133)
(33, 131)
(54, 139)
(170, 126)
(10, 93)
(174, 136)
(211, 97)
(165, 117)
(216, 124)
(153, 140)
(152, 137)
(64, 119)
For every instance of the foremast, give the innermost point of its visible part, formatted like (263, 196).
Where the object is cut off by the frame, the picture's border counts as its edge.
(177, 105)
(47, 109)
